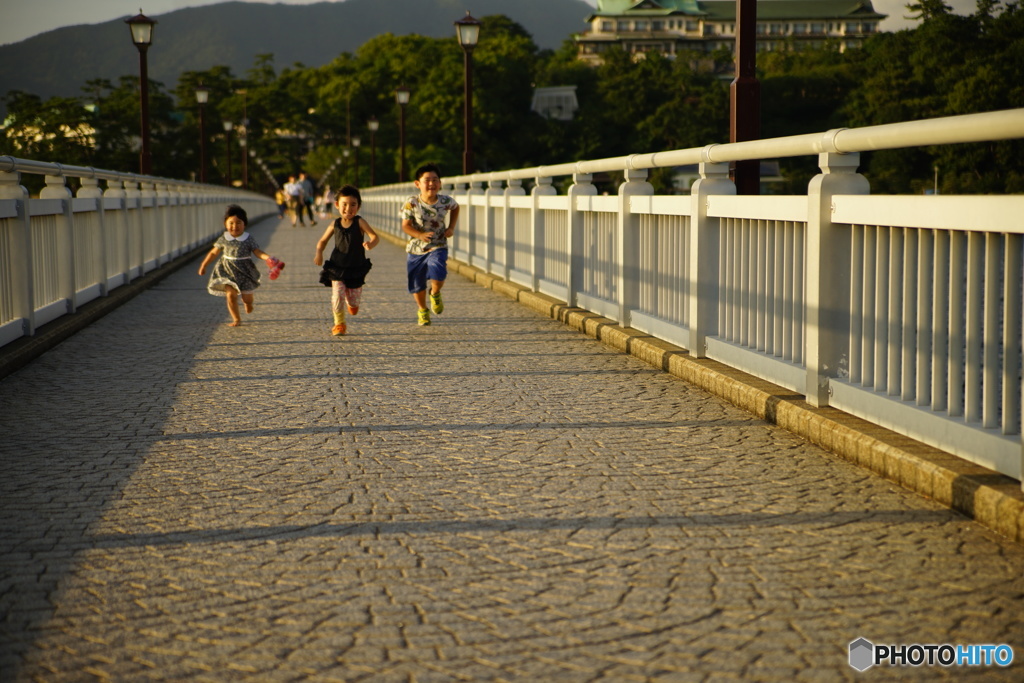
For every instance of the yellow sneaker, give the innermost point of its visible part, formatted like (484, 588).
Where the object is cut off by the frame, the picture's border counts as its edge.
(423, 317)
(436, 305)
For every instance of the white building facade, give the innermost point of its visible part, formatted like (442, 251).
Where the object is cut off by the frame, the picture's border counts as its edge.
(671, 27)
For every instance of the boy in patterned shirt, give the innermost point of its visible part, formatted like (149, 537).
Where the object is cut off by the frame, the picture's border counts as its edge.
(423, 220)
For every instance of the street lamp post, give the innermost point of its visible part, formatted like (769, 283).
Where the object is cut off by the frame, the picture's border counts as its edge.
(227, 134)
(745, 97)
(244, 143)
(468, 31)
(141, 27)
(373, 124)
(202, 97)
(344, 169)
(356, 141)
(402, 97)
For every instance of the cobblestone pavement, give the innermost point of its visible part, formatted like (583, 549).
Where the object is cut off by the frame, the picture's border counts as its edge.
(493, 497)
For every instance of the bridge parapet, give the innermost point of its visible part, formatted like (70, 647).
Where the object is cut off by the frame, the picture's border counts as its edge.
(905, 311)
(61, 251)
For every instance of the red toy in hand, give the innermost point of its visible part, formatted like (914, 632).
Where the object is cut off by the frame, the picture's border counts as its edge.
(276, 267)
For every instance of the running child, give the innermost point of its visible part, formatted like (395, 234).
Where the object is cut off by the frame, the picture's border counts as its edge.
(423, 220)
(235, 274)
(345, 271)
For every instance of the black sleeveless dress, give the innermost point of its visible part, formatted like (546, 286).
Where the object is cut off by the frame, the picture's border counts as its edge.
(348, 262)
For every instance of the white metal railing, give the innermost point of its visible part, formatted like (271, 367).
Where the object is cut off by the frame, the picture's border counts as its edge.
(58, 251)
(903, 310)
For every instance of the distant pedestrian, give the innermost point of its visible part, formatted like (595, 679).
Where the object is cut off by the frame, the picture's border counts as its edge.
(424, 221)
(345, 271)
(308, 196)
(281, 199)
(294, 191)
(326, 202)
(235, 274)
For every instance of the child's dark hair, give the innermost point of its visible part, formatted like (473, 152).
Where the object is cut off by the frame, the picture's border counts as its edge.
(427, 168)
(238, 212)
(350, 191)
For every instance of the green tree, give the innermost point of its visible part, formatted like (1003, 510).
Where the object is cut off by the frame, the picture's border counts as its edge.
(57, 130)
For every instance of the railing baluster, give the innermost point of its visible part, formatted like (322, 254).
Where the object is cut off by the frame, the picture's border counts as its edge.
(992, 371)
(858, 311)
(1013, 317)
(894, 325)
(925, 315)
(975, 332)
(957, 313)
(881, 275)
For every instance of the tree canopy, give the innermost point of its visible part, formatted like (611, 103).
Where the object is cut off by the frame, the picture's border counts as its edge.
(302, 117)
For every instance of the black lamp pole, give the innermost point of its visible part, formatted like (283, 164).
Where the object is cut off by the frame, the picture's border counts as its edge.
(202, 97)
(468, 31)
(745, 97)
(373, 124)
(402, 97)
(141, 27)
(228, 125)
(355, 144)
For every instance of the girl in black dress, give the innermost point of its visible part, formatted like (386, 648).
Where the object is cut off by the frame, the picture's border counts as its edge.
(345, 272)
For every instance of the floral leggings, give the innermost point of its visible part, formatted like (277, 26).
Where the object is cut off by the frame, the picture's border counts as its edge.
(340, 294)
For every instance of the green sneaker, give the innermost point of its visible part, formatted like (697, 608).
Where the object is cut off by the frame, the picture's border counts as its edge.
(424, 317)
(436, 305)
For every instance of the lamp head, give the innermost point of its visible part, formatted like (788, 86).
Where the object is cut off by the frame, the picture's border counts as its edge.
(141, 27)
(468, 30)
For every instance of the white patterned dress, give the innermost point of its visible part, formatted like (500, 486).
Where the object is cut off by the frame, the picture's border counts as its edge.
(235, 268)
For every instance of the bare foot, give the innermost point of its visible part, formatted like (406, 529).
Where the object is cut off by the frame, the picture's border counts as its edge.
(235, 323)
(248, 306)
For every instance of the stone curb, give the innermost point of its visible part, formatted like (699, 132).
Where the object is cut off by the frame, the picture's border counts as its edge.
(992, 499)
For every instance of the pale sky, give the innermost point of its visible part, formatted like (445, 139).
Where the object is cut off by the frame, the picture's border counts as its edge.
(23, 19)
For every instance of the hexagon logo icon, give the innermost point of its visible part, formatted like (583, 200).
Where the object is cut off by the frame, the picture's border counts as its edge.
(862, 654)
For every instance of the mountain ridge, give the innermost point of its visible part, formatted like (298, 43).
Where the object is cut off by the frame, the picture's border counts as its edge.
(61, 61)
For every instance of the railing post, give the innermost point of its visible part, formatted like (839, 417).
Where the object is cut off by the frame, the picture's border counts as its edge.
(627, 277)
(90, 189)
(703, 253)
(151, 232)
(119, 234)
(167, 225)
(514, 188)
(471, 226)
(490, 234)
(582, 186)
(542, 188)
(19, 261)
(461, 235)
(828, 273)
(66, 280)
(134, 229)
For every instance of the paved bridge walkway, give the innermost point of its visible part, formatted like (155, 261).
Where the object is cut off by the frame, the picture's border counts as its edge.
(493, 497)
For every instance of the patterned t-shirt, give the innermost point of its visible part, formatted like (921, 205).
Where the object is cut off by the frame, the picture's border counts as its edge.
(429, 218)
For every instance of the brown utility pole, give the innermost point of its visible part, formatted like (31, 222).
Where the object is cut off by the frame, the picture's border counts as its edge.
(745, 97)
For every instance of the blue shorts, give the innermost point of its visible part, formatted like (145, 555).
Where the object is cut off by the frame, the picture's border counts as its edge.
(430, 266)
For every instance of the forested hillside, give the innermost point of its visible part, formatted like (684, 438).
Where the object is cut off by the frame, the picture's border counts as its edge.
(306, 116)
(232, 34)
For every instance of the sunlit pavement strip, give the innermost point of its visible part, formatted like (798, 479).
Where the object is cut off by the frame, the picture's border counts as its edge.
(495, 496)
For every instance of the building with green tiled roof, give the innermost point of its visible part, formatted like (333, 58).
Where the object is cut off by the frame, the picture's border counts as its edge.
(674, 26)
